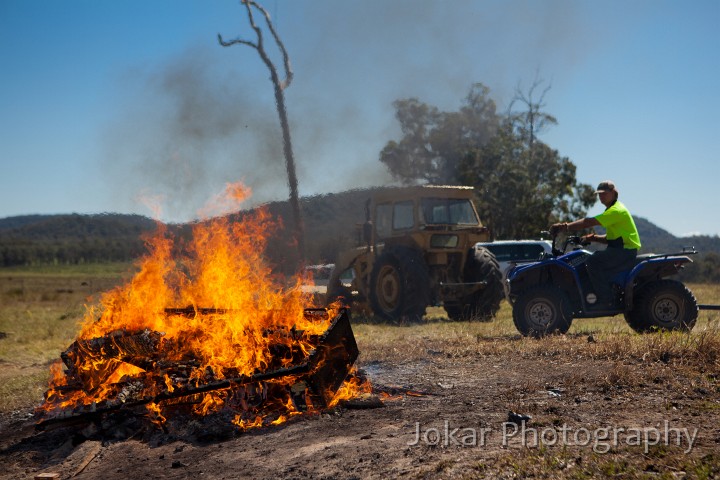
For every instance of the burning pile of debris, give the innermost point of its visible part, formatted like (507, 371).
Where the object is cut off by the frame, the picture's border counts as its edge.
(126, 371)
(246, 348)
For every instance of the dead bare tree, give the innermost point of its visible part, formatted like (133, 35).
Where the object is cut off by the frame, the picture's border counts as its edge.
(533, 120)
(280, 86)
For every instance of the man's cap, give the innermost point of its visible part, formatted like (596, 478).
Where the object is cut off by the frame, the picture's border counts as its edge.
(606, 186)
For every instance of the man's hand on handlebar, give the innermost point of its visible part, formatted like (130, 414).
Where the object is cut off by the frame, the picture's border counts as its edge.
(558, 227)
(587, 239)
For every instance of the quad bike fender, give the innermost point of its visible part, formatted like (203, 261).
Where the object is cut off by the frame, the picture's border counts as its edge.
(552, 271)
(654, 267)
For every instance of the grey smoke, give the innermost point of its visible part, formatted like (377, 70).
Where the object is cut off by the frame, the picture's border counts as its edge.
(190, 129)
(205, 117)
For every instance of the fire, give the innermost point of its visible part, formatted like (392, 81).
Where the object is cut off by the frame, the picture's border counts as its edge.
(354, 386)
(230, 317)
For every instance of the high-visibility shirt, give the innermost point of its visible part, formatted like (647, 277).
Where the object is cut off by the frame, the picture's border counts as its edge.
(618, 222)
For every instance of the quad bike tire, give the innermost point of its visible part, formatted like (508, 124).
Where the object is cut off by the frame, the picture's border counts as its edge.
(541, 311)
(400, 286)
(665, 305)
(485, 303)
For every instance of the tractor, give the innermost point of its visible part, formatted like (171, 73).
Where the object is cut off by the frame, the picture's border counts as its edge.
(418, 248)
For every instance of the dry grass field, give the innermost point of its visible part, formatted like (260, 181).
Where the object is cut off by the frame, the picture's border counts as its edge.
(39, 312)
(603, 401)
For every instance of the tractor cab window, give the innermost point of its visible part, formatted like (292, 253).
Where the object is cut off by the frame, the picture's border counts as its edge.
(448, 211)
(383, 220)
(403, 216)
(389, 217)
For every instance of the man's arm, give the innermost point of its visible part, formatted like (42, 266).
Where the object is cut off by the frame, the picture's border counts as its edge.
(592, 237)
(581, 224)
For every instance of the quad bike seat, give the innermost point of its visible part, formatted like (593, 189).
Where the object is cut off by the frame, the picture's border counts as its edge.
(621, 277)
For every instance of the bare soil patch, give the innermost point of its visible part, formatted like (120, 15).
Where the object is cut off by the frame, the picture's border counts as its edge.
(594, 406)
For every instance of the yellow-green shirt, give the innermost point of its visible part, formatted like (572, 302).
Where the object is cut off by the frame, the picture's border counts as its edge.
(618, 222)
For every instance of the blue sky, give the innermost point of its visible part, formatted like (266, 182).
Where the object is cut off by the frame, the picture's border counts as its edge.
(107, 106)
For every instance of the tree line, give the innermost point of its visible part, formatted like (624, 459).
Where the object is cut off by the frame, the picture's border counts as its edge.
(72, 239)
(332, 225)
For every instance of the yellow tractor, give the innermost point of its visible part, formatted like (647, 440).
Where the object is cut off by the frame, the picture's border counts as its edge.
(419, 248)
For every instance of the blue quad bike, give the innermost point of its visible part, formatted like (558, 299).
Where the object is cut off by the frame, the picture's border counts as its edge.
(546, 295)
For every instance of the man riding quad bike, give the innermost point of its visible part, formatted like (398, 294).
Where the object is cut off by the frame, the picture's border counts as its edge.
(546, 295)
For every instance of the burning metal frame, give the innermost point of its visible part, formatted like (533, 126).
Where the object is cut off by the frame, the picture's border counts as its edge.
(300, 381)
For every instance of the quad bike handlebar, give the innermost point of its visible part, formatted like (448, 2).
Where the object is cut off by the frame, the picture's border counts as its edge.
(570, 240)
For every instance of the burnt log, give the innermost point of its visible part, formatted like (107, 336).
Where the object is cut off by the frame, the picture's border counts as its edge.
(101, 356)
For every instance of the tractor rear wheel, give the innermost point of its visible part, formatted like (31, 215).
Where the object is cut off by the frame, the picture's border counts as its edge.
(663, 305)
(400, 286)
(542, 311)
(485, 303)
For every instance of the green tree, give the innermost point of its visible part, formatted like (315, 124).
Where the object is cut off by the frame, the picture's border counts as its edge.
(522, 184)
(434, 143)
(521, 191)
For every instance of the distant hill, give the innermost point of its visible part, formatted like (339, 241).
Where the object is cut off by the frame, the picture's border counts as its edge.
(72, 238)
(75, 225)
(331, 224)
(655, 239)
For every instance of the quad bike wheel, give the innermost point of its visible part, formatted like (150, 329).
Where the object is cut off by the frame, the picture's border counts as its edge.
(541, 311)
(400, 286)
(663, 305)
(485, 303)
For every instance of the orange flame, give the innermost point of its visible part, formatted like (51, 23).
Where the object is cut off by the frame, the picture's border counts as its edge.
(222, 268)
(354, 386)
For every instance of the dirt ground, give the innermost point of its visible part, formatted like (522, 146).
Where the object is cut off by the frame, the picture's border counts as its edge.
(594, 412)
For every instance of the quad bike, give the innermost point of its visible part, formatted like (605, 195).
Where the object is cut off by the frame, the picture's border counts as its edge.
(546, 295)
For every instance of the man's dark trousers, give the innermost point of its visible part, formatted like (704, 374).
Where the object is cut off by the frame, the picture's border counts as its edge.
(603, 265)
